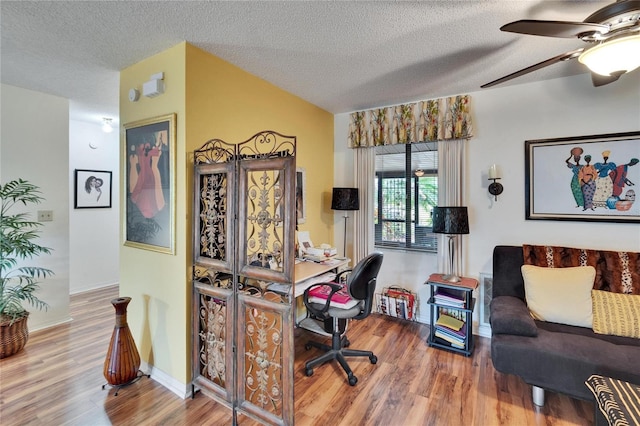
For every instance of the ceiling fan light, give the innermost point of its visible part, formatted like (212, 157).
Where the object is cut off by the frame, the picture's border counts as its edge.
(622, 54)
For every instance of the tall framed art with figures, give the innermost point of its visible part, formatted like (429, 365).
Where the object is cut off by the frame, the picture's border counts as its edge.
(149, 183)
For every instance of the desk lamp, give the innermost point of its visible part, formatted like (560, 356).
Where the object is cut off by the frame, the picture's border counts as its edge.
(452, 221)
(345, 199)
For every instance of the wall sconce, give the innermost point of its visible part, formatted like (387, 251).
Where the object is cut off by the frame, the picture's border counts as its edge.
(495, 188)
(106, 126)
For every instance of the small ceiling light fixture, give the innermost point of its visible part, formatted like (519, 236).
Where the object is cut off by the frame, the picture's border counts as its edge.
(495, 188)
(619, 55)
(106, 126)
(419, 172)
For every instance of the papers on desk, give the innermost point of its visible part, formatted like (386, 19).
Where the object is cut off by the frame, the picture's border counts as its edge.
(309, 250)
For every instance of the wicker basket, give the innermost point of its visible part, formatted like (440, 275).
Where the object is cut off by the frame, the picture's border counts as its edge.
(13, 336)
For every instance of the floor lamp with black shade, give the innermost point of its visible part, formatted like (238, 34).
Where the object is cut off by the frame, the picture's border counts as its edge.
(345, 199)
(452, 221)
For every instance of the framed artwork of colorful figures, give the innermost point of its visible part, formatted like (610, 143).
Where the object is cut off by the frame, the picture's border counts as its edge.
(583, 178)
(149, 183)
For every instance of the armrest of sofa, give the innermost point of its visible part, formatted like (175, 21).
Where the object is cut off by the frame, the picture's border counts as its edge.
(510, 315)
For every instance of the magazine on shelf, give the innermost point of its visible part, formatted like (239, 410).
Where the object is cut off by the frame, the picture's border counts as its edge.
(459, 334)
(445, 296)
(450, 337)
(455, 343)
(450, 322)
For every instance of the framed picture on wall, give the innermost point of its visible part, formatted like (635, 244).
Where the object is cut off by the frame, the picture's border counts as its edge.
(301, 195)
(149, 183)
(92, 189)
(583, 178)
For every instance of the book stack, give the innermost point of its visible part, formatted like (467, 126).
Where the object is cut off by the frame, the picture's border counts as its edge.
(451, 330)
(449, 297)
(340, 299)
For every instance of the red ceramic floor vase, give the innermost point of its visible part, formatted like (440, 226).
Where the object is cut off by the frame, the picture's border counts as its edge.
(123, 361)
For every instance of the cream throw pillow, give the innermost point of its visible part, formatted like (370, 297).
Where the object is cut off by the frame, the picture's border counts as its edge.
(616, 313)
(560, 295)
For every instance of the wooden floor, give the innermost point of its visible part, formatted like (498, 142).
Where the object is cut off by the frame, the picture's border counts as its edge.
(57, 380)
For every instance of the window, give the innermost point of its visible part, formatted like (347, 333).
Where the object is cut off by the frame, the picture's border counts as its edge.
(406, 190)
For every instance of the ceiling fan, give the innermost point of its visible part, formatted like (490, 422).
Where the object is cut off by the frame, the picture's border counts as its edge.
(614, 30)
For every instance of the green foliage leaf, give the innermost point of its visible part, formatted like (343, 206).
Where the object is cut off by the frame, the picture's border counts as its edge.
(19, 235)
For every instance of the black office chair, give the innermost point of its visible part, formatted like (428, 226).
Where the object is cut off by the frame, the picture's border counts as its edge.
(361, 285)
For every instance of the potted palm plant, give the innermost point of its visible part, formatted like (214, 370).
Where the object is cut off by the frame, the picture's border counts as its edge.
(18, 284)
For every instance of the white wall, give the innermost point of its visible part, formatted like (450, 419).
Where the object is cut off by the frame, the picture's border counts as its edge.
(34, 145)
(94, 233)
(404, 268)
(503, 119)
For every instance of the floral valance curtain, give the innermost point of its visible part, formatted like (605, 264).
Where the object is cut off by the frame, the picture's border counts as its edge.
(424, 121)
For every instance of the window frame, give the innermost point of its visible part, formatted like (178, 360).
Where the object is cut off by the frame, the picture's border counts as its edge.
(412, 204)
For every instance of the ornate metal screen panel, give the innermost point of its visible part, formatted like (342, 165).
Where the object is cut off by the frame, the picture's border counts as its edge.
(214, 183)
(266, 231)
(214, 318)
(244, 225)
(265, 373)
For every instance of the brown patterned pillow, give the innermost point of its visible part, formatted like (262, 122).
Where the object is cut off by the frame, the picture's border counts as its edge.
(565, 257)
(622, 271)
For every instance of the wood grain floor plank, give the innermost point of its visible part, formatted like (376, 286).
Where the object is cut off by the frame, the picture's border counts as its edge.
(57, 380)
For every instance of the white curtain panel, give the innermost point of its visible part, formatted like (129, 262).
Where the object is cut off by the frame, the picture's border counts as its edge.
(364, 177)
(450, 179)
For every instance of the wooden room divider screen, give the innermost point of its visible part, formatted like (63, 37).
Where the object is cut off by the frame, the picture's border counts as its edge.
(244, 229)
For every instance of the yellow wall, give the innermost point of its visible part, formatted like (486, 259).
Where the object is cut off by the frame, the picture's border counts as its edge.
(227, 103)
(212, 99)
(155, 281)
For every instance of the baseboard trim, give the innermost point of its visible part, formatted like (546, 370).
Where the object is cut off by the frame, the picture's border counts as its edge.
(175, 386)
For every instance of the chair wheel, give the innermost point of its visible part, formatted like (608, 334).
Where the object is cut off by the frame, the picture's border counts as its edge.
(308, 372)
(346, 343)
(352, 380)
(373, 359)
(307, 346)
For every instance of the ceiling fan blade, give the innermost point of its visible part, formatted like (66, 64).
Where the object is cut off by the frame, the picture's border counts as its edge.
(563, 29)
(600, 80)
(559, 58)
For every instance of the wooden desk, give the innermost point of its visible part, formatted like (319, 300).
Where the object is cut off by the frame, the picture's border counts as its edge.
(305, 271)
(304, 274)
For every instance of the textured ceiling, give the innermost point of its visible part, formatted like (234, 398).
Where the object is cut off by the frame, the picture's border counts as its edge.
(342, 56)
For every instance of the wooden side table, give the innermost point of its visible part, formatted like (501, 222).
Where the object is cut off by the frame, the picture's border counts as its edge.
(462, 311)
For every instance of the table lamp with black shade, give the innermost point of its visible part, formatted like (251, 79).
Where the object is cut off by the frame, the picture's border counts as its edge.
(345, 199)
(452, 221)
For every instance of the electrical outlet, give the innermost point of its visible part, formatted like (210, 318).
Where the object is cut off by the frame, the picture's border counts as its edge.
(45, 215)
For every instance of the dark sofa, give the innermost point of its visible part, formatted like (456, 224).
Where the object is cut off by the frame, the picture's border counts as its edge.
(549, 356)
